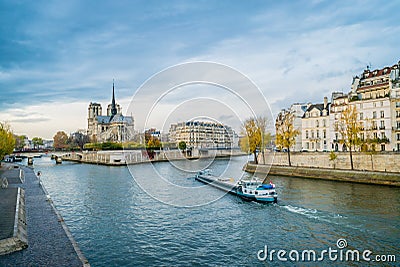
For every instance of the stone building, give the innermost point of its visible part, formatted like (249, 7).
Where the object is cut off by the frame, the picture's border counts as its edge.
(199, 134)
(339, 102)
(298, 110)
(113, 127)
(376, 97)
(394, 85)
(315, 127)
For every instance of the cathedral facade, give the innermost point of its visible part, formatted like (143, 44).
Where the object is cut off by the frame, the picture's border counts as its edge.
(113, 127)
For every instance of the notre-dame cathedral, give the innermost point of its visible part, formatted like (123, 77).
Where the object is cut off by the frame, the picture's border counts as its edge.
(113, 127)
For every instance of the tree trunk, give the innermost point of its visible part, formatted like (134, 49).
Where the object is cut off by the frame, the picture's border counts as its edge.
(255, 157)
(263, 155)
(372, 162)
(288, 154)
(351, 158)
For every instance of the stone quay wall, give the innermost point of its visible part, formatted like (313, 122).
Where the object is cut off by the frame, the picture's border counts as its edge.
(365, 177)
(124, 157)
(381, 162)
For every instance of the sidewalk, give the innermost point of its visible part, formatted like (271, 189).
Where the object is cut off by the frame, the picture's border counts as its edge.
(49, 241)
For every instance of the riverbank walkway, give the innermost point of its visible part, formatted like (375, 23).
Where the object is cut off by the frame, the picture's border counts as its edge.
(49, 240)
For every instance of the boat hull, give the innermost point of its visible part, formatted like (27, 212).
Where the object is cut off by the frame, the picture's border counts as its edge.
(232, 188)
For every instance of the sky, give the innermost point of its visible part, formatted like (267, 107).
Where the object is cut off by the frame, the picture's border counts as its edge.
(58, 56)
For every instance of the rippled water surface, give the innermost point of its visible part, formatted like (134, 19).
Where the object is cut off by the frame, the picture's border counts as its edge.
(116, 223)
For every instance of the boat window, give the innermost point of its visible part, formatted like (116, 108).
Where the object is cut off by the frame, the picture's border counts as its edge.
(256, 192)
(251, 192)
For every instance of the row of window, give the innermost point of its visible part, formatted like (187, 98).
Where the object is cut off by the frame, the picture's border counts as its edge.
(314, 145)
(317, 123)
(375, 135)
(361, 115)
(317, 134)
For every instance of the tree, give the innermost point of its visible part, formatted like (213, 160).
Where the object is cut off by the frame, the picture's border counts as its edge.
(182, 145)
(78, 139)
(60, 140)
(265, 136)
(19, 141)
(333, 158)
(7, 140)
(285, 132)
(255, 136)
(368, 141)
(37, 141)
(349, 129)
(154, 143)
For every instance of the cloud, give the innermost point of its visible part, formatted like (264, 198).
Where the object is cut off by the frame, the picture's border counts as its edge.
(69, 52)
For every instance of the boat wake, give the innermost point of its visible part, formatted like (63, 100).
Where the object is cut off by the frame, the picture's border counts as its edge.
(311, 213)
(318, 215)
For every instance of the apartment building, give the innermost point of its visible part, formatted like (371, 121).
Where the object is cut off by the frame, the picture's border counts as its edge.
(200, 134)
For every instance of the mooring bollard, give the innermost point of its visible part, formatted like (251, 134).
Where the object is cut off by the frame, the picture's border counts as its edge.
(39, 173)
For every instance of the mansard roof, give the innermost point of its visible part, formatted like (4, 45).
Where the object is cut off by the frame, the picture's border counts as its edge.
(375, 73)
(319, 107)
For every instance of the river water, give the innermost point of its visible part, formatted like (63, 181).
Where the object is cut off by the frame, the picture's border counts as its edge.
(116, 223)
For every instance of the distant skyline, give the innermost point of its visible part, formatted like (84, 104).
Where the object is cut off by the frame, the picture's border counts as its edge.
(58, 56)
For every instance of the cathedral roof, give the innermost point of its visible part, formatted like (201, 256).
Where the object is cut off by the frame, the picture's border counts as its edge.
(117, 118)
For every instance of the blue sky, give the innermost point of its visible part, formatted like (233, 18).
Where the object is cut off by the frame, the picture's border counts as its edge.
(57, 56)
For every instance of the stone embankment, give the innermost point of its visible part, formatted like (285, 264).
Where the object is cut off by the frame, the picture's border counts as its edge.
(381, 162)
(366, 177)
(127, 157)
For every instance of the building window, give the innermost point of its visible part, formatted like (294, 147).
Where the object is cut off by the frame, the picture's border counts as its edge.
(324, 133)
(382, 125)
(312, 134)
(317, 134)
(382, 114)
(374, 105)
(383, 147)
(397, 104)
(381, 103)
(383, 136)
(374, 114)
(398, 137)
(361, 116)
(307, 145)
(374, 127)
(398, 125)
(362, 136)
(376, 135)
(324, 122)
(317, 123)
(307, 134)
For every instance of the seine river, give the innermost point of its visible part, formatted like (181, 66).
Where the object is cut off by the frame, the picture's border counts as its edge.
(116, 223)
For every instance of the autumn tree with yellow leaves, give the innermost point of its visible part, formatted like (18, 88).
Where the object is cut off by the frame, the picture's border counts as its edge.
(255, 136)
(7, 140)
(285, 132)
(349, 129)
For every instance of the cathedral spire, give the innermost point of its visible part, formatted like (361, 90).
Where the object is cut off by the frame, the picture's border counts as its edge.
(113, 105)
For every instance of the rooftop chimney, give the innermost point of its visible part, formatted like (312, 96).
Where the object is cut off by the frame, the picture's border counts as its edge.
(325, 102)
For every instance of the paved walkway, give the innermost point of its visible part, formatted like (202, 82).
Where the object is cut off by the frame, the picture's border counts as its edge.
(48, 243)
(7, 210)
